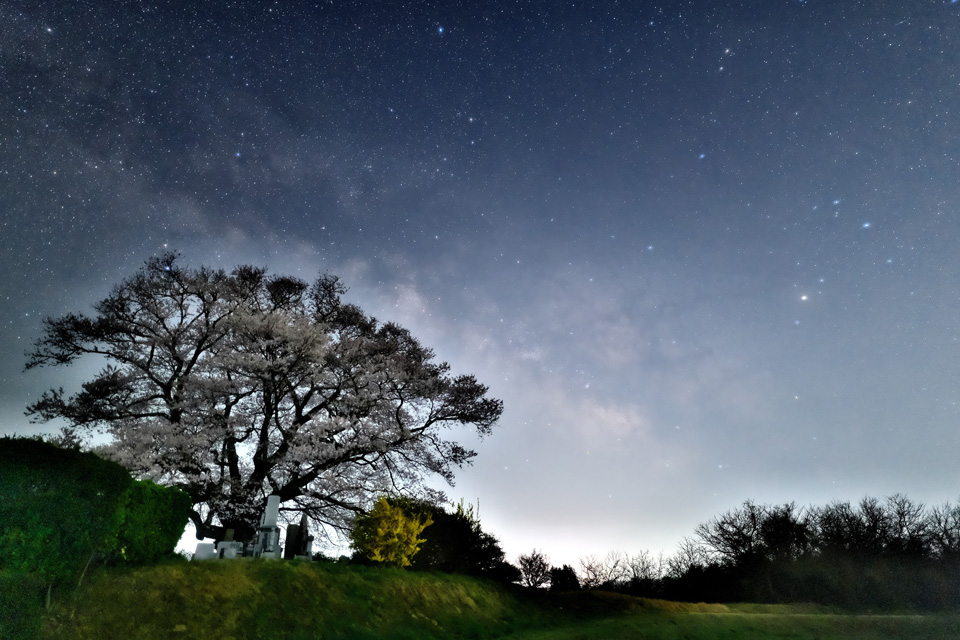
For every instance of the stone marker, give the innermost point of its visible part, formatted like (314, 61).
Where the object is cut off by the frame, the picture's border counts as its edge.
(299, 542)
(291, 545)
(268, 538)
(205, 551)
(229, 549)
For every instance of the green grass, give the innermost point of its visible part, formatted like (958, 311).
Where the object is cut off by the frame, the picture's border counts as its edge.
(622, 618)
(755, 626)
(245, 599)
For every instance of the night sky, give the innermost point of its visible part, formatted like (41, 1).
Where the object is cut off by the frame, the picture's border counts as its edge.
(704, 251)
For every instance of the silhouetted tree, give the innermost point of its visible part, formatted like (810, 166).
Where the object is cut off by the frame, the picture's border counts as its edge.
(785, 533)
(646, 574)
(944, 531)
(735, 536)
(564, 579)
(235, 386)
(910, 532)
(691, 555)
(610, 572)
(534, 569)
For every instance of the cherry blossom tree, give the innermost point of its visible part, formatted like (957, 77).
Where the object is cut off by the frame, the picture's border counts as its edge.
(235, 386)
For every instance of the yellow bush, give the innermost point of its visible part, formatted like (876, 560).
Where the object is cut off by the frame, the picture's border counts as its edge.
(388, 536)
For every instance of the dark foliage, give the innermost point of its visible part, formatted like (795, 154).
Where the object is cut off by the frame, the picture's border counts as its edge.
(564, 579)
(455, 543)
(58, 509)
(151, 521)
(889, 554)
(21, 609)
(534, 569)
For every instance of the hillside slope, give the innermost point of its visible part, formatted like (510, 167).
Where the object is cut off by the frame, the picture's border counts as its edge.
(244, 599)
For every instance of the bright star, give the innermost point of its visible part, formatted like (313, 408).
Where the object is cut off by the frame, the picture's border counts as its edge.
(866, 225)
(439, 29)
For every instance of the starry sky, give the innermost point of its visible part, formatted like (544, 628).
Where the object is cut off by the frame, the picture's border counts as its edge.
(704, 251)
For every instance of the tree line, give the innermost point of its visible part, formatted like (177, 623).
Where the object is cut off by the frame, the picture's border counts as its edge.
(883, 554)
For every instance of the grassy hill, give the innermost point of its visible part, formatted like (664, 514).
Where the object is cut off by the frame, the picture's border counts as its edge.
(247, 599)
(244, 599)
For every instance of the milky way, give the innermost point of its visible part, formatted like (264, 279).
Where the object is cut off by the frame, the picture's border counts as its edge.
(705, 252)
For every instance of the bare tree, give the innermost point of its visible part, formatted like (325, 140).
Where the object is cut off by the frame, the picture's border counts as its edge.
(613, 570)
(591, 572)
(944, 530)
(735, 535)
(690, 554)
(909, 526)
(644, 567)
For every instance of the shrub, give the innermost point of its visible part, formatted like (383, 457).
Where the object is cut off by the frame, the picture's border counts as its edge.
(455, 543)
(58, 509)
(151, 520)
(386, 535)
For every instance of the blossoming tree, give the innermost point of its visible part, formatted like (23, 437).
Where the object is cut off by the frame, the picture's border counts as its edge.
(235, 386)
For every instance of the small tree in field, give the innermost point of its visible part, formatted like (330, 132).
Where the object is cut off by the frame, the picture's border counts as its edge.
(236, 386)
(387, 535)
(535, 569)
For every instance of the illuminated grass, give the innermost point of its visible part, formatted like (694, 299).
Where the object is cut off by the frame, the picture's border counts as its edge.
(281, 600)
(241, 600)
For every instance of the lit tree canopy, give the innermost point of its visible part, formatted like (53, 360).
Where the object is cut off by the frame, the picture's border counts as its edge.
(235, 386)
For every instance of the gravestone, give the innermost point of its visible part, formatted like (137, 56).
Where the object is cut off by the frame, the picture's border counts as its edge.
(229, 549)
(205, 551)
(299, 543)
(268, 536)
(290, 545)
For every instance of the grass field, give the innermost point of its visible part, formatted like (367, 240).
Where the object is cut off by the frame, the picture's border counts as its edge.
(614, 617)
(240, 600)
(694, 626)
